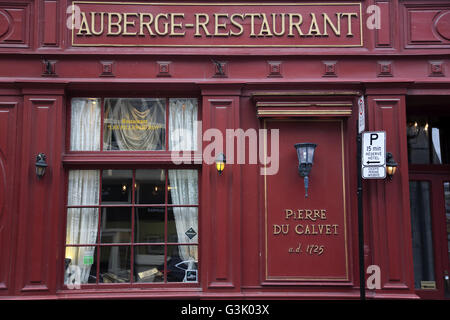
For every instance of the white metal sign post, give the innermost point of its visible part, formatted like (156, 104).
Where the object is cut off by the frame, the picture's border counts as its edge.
(373, 154)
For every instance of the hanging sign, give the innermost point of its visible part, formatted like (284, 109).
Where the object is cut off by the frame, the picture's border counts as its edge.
(215, 24)
(373, 155)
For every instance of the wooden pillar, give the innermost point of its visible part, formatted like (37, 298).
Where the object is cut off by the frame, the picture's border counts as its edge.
(221, 196)
(388, 200)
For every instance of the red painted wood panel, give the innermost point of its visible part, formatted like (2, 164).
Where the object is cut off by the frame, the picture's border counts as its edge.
(39, 210)
(389, 200)
(8, 129)
(50, 22)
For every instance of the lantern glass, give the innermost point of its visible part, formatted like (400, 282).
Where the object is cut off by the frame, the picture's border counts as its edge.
(305, 152)
(41, 165)
(391, 165)
(220, 163)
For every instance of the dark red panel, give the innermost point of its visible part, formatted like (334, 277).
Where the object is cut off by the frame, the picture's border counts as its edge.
(306, 238)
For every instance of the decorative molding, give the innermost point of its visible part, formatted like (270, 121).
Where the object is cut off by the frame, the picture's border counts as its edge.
(163, 69)
(330, 69)
(49, 68)
(436, 69)
(15, 24)
(384, 69)
(107, 69)
(220, 69)
(274, 69)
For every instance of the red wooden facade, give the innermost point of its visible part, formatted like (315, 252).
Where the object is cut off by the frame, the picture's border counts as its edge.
(42, 66)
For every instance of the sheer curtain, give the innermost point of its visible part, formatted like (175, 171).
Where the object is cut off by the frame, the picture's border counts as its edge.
(82, 223)
(184, 183)
(184, 190)
(134, 124)
(83, 188)
(85, 124)
(183, 124)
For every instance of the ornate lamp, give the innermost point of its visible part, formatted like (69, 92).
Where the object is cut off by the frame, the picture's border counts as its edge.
(41, 165)
(305, 154)
(391, 165)
(220, 163)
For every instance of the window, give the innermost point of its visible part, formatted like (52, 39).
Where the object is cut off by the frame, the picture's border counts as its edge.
(133, 224)
(133, 124)
(428, 140)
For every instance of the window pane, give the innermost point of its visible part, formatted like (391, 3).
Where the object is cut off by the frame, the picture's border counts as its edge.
(134, 124)
(428, 140)
(182, 264)
(80, 265)
(85, 124)
(149, 225)
(421, 232)
(115, 264)
(183, 187)
(149, 263)
(150, 186)
(83, 187)
(183, 124)
(447, 214)
(182, 224)
(116, 225)
(116, 186)
(82, 225)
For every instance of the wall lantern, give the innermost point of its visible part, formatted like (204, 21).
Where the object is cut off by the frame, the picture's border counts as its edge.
(41, 165)
(391, 165)
(220, 163)
(305, 154)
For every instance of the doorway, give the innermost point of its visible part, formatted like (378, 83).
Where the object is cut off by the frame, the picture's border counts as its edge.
(428, 135)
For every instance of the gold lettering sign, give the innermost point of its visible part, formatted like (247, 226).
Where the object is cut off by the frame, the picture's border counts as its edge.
(204, 25)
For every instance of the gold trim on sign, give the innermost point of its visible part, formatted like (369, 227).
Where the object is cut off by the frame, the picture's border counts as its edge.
(286, 278)
(224, 45)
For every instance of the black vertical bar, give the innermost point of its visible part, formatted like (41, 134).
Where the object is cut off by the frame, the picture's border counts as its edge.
(362, 282)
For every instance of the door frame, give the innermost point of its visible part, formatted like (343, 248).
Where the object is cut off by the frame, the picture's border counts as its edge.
(436, 175)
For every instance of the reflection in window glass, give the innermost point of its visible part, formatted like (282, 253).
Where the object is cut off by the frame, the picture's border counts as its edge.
(134, 124)
(116, 225)
(116, 186)
(149, 225)
(428, 140)
(422, 241)
(150, 186)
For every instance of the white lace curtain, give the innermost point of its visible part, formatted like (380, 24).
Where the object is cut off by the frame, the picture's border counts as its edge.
(184, 190)
(82, 223)
(134, 124)
(83, 188)
(184, 183)
(85, 124)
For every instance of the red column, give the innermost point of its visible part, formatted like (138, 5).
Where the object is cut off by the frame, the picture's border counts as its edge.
(221, 198)
(40, 199)
(387, 206)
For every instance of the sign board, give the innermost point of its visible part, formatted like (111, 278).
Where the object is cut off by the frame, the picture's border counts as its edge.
(361, 115)
(306, 238)
(373, 154)
(217, 24)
